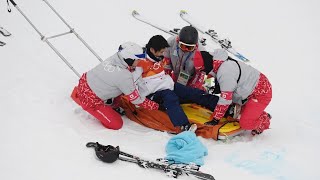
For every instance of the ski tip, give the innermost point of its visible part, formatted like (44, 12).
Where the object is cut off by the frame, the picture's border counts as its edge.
(134, 12)
(183, 12)
(245, 60)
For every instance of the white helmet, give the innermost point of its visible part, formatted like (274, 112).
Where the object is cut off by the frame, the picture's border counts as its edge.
(130, 50)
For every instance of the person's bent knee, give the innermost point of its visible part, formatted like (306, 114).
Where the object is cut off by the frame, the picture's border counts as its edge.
(108, 117)
(247, 124)
(115, 125)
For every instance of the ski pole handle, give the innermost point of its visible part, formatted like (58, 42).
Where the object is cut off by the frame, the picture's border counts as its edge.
(12, 2)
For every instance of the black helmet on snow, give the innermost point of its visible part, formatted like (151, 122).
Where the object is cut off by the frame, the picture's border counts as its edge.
(107, 154)
(188, 35)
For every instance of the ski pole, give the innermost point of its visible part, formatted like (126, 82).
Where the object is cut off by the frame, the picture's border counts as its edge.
(44, 39)
(16, 6)
(73, 31)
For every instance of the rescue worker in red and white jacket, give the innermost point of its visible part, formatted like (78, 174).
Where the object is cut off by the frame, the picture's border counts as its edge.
(183, 59)
(244, 85)
(110, 79)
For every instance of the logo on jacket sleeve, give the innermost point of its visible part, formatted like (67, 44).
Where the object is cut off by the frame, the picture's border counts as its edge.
(226, 95)
(134, 95)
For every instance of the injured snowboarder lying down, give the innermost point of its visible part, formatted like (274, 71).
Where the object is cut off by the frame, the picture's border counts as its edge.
(152, 81)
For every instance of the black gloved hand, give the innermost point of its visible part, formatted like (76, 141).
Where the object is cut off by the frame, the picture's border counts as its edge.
(230, 111)
(213, 122)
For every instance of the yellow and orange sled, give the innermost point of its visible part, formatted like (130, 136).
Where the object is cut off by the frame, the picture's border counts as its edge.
(159, 120)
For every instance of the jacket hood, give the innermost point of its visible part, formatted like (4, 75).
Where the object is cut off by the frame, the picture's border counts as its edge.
(219, 56)
(116, 60)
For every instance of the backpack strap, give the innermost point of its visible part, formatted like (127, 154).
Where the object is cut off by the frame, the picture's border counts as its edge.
(216, 89)
(229, 58)
(208, 66)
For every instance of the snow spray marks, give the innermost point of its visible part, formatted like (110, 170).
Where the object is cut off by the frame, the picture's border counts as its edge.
(266, 163)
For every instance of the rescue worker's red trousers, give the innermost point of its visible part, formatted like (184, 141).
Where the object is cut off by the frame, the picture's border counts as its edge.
(253, 116)
(91, 103)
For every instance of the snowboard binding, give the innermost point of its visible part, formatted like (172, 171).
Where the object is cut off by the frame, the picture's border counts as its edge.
(108, 154)
(212, 33)
(225, 43)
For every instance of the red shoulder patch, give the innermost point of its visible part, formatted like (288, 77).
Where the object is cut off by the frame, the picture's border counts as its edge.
(198, 61)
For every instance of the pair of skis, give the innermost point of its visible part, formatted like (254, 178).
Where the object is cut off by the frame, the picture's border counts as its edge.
(211, 34)
(171, 169)
(4, 32)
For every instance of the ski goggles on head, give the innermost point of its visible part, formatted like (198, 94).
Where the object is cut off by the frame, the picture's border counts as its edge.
(186, 47)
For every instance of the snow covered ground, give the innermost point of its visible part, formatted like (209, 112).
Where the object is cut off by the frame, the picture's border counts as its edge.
(43, 132)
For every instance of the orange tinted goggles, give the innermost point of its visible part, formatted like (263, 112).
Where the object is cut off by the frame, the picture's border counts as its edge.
(186, 47)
